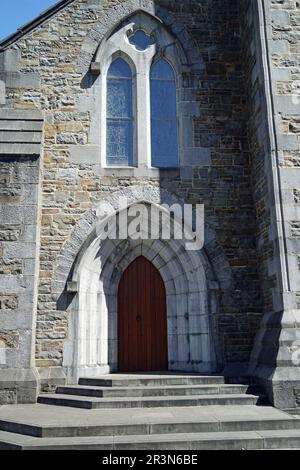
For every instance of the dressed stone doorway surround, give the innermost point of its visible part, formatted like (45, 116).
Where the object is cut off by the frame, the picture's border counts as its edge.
(92, 345)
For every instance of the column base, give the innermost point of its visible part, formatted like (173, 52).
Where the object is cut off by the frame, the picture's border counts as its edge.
(50, 378)
(18, 386)
(281, 385)
(274, 363)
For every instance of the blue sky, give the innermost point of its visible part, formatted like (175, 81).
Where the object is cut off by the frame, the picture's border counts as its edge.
(15, 13)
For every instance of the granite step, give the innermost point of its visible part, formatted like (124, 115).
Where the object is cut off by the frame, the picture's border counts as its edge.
(213, 427)
(151, 391)
(138, 402)
(246, 440)
(143, 427)
(136, 380)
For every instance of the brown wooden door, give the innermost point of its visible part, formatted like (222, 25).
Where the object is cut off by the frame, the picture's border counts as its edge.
(142, 319)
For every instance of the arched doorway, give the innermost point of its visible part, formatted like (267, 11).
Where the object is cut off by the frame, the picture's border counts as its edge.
(142, 319)
(91, 348)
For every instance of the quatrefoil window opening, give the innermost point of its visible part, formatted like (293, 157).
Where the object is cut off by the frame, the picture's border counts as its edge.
(140, 40)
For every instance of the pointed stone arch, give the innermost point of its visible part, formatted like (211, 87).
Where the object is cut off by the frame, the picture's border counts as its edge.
(111, 20)
(93, 268)
(216, 265)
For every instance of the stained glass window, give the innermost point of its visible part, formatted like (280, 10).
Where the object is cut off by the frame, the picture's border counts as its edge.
(119, 114)
(164, 135)
(140, 40)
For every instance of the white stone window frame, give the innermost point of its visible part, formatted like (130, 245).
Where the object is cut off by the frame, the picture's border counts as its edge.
(140, 62)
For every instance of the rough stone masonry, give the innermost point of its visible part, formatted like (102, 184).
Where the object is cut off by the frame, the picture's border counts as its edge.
(239, 105)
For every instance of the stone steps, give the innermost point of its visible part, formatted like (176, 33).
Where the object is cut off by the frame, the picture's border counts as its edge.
(148, 412)
(145, 402)
(247, 440)
(151, 391)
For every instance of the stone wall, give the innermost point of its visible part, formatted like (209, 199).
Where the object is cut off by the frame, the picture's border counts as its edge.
(56, 59)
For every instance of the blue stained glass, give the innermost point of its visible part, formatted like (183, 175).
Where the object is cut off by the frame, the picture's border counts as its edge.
(162, 70)
(164, 135)
(119, 68)
(119, 142)
(119, 98)
(164, 144)
(140, 40)
(119, 136)
(164, 103)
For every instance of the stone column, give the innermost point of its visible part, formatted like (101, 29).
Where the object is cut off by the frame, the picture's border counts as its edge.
(276, 115)
(19, 235)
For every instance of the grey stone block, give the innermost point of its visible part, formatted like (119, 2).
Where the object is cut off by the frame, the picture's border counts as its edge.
(21, 114)
(288, 142)
(50, 378)
(21, 80)
(85, 154)
(20, 149)
(281, 74)
(186, 172)
(28, 233)
(9, 60)
(287, 105)
(10, 215)
(20, 250)
(280, 19)
(197, 156)
(280, 46)
(25, 382)
(19, 136)
(20, 125)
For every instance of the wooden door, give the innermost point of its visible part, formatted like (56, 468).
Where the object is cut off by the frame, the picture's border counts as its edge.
(142, 319)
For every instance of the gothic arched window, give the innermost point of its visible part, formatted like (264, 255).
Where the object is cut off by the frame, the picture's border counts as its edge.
(119, 114)
(139, 65)
(164, 141)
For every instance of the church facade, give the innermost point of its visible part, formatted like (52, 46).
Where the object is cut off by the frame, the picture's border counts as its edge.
(160, 104)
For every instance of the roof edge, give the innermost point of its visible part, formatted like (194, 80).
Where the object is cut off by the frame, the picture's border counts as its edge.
(28, 27)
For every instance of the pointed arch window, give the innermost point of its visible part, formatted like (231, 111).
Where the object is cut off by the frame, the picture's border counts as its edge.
(164, 134)
(139, 65)
(120, 119)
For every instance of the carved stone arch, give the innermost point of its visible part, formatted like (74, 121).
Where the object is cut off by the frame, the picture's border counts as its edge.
(83, 234)
(170, 46)
(111, 20)
(93, 268)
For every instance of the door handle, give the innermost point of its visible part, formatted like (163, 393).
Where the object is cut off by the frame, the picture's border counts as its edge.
(138, 318)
